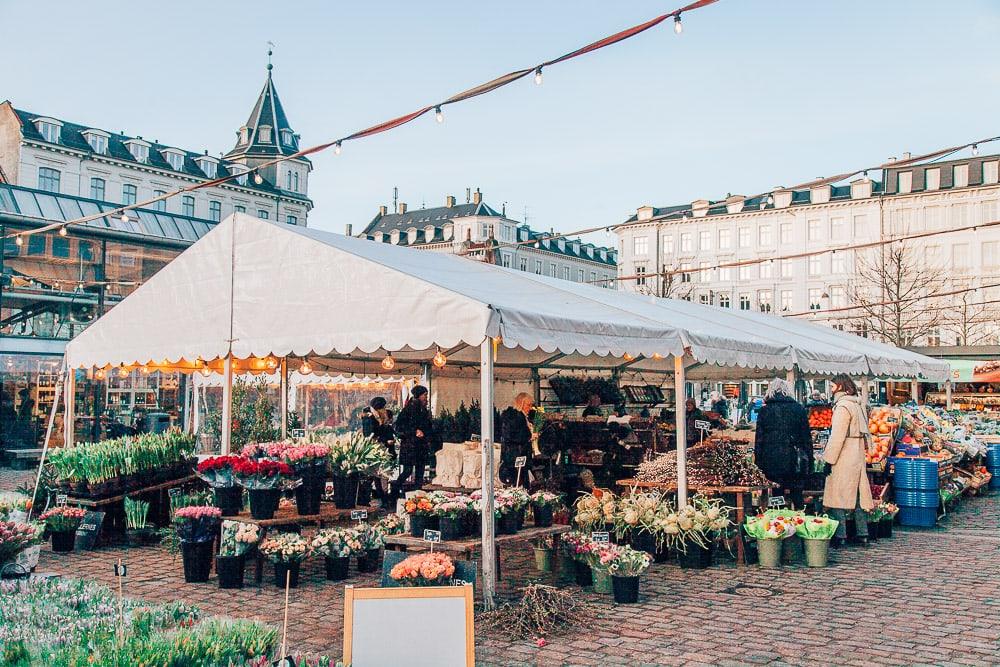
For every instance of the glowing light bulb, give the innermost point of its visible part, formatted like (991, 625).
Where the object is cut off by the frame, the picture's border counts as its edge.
(271, 362)
(388, 363)
(19, 240)
(657, 355)
(144, 370)
(62, 231)
(305, 368)
(538, 76)
(678, 26)
(99, 374)
(122, 371)
(124, 217)
(336, 148)
(439, 359)
(206, 371)
(438, 114)
(257, 178)
(975, 150)
(628, 357)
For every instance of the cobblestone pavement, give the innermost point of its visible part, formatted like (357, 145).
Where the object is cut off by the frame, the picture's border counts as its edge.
(923, 597)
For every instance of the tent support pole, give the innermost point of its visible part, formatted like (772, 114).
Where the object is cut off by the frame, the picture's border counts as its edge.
(45, 445)
(195, 408)
(947, 394)
(425, 379)
(489, 552)
(915, 390)
(227, 405)
(536, 386)
(185, 381)
(283, 388)
(680, 416)
(864, 392)
(69, 415)
(791, 375)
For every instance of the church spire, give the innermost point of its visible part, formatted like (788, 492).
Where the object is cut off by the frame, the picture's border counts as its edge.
(267, 132)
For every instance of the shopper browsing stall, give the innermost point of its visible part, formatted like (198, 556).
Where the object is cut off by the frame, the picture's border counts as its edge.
(694, 414)
(783, 443)
(377, 422)
(416, 433)
(517, 437)
(847, 487)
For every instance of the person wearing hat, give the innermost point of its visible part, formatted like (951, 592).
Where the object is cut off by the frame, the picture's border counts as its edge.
(415, 431)
(376, 421)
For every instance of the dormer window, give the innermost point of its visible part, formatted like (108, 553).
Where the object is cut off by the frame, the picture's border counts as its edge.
(208, 165)
(394, 237)
(448, 232)
(288, 138)
(429, 234)
(139, 149)
(292, 180)
(174, 158)
(241, 170)
(244, 135)
(98, 141)
(264, 134)
(49, 128)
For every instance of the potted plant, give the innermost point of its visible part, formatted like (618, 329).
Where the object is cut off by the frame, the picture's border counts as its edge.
(371, 540)
(595, 511)
(138, 532)
(62, 523)
(816, 532)
(543, 505)
(636, 518)
(601, 558)
(421, 510)
(520, 500)
(507, 503)
(309, 462)
(336, 545)
(698, 525)
(451, 518)
(769, 534)
(196, 527)
(390, 524)
(544, 548)
(217, 472)
(351, 457)
(263, 481)
(237, 540)
(791, 546)
(286, 551)
(426, 569)
(882, 518)
(625, 567)
(15, 539)
(578, 546)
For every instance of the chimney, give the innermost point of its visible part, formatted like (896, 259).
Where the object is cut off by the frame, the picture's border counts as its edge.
(906, 155)
(382, 210)
(449, 201)
(401, 208)
(349, 230)
(477, 197)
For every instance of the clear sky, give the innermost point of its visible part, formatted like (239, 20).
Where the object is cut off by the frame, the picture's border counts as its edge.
(754, 94)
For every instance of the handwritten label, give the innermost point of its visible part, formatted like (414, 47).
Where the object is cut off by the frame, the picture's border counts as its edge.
(173, 493)
(520, 461)
(432, 536)
(776, 501)
(298, 433)
(61, 500)
(602, 537)
(121, 569)
(359, 515)
(702, 425)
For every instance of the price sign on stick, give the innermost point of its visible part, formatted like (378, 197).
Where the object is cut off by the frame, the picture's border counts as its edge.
(359, 515)
(121, 569)
(703, 427)
(61, 500)
(432, 537)
(519, 463)
(776, 501)
(298, 433)
(328, 489)
(600, 537)
(173, 493)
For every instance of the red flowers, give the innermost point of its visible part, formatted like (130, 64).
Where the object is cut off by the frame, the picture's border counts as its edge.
(215, 463)
(265, 468)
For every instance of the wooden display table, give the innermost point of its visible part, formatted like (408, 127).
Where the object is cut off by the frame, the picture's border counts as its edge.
(289, 516)
(110, 500)
(739, 491)
(451, 489)
(114, 507)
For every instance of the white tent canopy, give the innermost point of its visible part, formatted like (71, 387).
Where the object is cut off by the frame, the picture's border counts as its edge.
(295, 379)
(256, 288)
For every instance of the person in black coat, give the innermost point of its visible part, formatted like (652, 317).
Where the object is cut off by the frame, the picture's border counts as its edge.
(376, 421)
(516, 434)
(415, 431)
(783, 447)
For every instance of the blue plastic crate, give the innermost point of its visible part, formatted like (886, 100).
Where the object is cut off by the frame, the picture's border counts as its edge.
(915, 474)
(925, 517)
(906, 498)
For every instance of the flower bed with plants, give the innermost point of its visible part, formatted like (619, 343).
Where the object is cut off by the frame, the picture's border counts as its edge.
(113, 467)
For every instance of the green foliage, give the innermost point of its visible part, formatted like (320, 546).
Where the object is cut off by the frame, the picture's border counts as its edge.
(102, 461)
(253, 417)
(136, 512)
(576, 390)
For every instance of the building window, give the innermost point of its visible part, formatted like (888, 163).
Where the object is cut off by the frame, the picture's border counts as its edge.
(764, 235)
(264, 134)
(838, 229)
(668, 244)
(746, 272)
(175, 160)
(129, 194)
(293, 220)
(860, 225)
(98, 143)
(686, 272)
(838, 296)
(162, 204)
(208, 167)
(724, 301)
(97, 189)
(215, 211)
(703, 299)
(263, 214)
(48, 179)
(815, 298)
(60, 247)
(49, 131)
(786, 268)
(990, 256)
(933, 179)
(593, 276)
(934, 337)
(744, 301)
(743, 237)
(640, 245)
(960, 175)
(139, 151)
(725, 239)
(579, 275)
(725, 273)
(565, 272)
(538, 267)
(786, 300)
(552, 269)
(187, 205)
(838, 263)
(606, 282)
(905, 184)
(932, 255)
(960, 256)
(813, 230)
(815, 265)
(705, 274)
(292, 179)
(785, 233)
(704, 240)
(764, 300)
(239, 209)
(524, 264)
(287, 138)
(767, 269)
(36, 244)
(991, 170)
(687, 242)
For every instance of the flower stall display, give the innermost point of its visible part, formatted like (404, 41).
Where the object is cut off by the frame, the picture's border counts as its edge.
(15, 538)
(816, 532)
(510, 503)
(635, 519)
(113, 467)
(595, 510)
(391, 524)
(579, 547)
(544, 548)
(769, 532)
(197, 526)
(218, 473)
(309, 461)
(882, 517)
(451, 517)
(264, 480)
(601, 557)
(543, 506)
(698, 527)
(138, 530)
(420, 507)
(792, 548)
(371, 540)
(352, 457)
(286, 551)
(426, 569)
(336, 545)
(626, 565)
(62, 523)
(237, 539)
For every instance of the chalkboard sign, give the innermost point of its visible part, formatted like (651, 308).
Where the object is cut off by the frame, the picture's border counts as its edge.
(426, 626)
(89, 530)
(776, 501)
(702, 425)
(433, 536)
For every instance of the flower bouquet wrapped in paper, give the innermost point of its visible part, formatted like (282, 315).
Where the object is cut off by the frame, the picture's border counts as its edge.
(816, 528)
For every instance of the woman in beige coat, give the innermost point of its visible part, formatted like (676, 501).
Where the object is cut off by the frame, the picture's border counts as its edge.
(847, 487)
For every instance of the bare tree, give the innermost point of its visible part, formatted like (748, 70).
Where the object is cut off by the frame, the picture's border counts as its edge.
(970, 320)
(667, 285)
(895, 294)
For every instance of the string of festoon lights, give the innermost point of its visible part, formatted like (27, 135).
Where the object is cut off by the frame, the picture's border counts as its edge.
(437, 108)
(894, 302)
